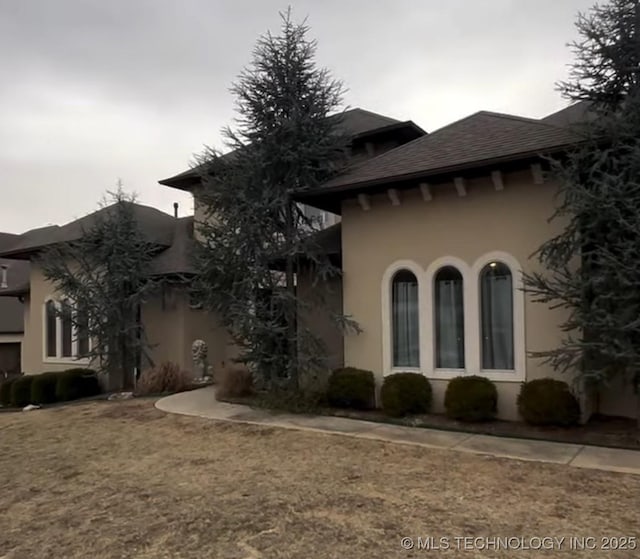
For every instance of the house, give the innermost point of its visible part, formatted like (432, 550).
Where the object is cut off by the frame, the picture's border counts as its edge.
(434, 233)
(170, 321)
(13, 277)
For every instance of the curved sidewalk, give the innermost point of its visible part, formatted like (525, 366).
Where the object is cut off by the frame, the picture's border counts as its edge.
(202, 403)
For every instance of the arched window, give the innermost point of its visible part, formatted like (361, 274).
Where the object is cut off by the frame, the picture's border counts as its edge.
(66, 326)
(51, 327)
(405, 320)
(496, 316)
(449, 318)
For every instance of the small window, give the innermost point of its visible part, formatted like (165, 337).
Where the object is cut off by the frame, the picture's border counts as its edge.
(51, 324)
(405, 320)
(496, 306)
(449, 318)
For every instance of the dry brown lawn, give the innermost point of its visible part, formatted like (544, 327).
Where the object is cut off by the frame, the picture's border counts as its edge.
(125, 480)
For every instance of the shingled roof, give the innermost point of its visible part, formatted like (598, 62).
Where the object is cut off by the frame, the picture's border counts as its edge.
(481, 138)
(355, 123)
(156, 226)
(177, 258)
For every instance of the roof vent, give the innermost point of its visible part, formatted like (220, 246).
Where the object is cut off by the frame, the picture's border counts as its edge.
(175, 209)
(3, 277)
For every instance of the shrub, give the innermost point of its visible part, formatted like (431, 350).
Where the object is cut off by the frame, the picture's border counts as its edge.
(76, 383)
(471, 398)
(5, 391)
(166, 377)
(43, 388)
(21, 391)
(405, 393)
(351, 388)
(234, 382)
(547, 401)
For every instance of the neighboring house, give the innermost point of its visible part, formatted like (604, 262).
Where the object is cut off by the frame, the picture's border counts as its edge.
(14, 275)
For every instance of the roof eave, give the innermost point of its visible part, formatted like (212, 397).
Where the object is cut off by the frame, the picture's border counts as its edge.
(431, 173)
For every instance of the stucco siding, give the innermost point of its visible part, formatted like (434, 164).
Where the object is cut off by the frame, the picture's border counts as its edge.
(485, 220)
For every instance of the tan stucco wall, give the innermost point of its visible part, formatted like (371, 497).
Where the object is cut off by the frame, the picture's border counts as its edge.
(317, 318)
(33, 361)
(513, 220)
(173, 326)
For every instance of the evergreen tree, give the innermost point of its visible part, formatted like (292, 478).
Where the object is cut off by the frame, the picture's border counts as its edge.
(254, 237)
(104, 274)
(592, 268)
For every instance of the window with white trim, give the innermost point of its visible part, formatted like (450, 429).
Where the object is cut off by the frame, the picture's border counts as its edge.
(448, 305)
(62, 338)
(405, 320)
(496, 316)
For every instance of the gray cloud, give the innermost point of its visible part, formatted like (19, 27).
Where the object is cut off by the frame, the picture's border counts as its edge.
(93, 90)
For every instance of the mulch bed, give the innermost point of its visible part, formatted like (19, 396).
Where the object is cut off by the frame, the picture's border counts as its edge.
(614, 432)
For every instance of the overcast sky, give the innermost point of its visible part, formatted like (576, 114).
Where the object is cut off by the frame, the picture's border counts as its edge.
(92, 91)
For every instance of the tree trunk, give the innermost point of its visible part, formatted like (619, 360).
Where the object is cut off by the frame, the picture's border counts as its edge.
(290, 310)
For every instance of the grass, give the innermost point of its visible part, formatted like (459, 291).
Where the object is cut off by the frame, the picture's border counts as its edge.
(122, 479)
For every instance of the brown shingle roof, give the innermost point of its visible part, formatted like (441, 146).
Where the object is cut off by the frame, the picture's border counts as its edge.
(177, 258)
(481, 137)
(156, 226)
(573, 114)
(353, 122)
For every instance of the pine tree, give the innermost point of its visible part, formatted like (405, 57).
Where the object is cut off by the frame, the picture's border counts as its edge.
(254, 236)
(592, 268)
(104, 274)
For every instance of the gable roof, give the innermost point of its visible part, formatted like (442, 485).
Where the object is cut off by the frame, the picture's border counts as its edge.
(177, 258)
(573, 114)
(156, 226)
(480, 139)
(357, 124)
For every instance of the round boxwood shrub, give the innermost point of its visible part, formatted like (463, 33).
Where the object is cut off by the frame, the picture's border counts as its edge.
(405, 393)
(5, 392)
(548, 401)
(351, 388)
(471, 398)
(76, 383)
(21, 391)
(43, 388)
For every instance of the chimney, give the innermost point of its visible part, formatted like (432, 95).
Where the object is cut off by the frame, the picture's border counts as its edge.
(3, 277)
(175, 209)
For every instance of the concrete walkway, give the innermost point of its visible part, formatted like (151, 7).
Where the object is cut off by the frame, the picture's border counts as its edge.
(201, 403)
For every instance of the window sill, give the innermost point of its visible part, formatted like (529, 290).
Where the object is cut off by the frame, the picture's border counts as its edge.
(65, 361)
(395, 370)
(503, 375)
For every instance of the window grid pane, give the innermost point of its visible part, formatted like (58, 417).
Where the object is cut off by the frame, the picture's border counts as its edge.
(67, 329)
(449, 319)
(51, 324)
(405, 317)
(496, 295)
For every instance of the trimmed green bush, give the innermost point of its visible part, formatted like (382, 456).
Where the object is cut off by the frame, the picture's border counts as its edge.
(21, 391)
(547, 401)
(76, 383)
(471, 398)
(43, 388)
(351, 388)
(405, 393)
(5, 391)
